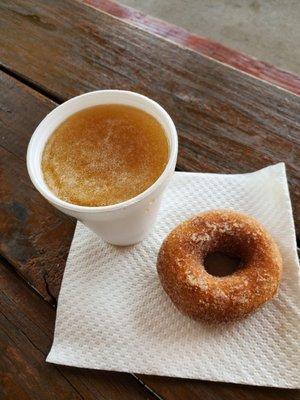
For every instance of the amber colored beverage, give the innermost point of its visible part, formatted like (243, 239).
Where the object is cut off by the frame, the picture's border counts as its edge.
(104, 155)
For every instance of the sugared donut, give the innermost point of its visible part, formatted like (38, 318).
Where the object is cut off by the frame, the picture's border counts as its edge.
(197, 293)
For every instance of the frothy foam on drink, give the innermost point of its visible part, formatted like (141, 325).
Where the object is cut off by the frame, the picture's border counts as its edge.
(104, 155)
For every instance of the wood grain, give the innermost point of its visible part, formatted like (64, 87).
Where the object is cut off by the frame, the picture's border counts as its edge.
(28, 223)
(27, 324)
(202, 45)
(228, 122)
(41, 262)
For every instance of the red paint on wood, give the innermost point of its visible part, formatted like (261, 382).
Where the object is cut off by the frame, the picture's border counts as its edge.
(217, 51)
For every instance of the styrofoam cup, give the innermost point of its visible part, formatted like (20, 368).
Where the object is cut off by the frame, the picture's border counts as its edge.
(123, 223)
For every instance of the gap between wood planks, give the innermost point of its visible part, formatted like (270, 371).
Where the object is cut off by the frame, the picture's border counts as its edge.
(35, 86)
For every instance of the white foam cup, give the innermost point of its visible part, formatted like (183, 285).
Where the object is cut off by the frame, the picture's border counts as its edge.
(124, 223)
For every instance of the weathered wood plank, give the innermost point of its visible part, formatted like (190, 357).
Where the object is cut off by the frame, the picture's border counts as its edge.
(202, 45)
(34, 236)
(182, 389)
(227, 121)
(26, 332)
(21, 110)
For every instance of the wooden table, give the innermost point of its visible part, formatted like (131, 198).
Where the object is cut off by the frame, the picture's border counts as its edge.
(228, 121)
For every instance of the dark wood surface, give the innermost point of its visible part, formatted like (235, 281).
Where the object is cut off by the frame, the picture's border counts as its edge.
(227, 122)
(202, 45)
(28, 223)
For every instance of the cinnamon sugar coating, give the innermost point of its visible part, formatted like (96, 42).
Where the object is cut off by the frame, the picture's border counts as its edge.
(202, 296)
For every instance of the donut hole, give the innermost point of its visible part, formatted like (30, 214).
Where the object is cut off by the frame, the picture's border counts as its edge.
(221, 264)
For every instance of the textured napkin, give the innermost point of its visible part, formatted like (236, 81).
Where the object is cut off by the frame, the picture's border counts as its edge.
(114, 315)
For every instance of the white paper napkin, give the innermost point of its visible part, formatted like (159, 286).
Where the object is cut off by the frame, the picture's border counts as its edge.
(114, 315)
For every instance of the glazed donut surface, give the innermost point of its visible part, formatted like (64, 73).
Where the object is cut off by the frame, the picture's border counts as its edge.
(200, 295)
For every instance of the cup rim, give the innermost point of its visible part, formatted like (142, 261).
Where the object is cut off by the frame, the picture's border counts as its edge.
(51, 197)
